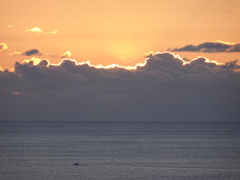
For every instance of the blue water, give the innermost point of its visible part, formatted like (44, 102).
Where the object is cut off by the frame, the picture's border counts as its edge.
(112, 151)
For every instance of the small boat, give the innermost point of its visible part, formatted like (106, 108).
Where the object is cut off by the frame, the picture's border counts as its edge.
(76, 164)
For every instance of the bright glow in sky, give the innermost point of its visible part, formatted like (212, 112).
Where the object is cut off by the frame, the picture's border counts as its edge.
(114, 32)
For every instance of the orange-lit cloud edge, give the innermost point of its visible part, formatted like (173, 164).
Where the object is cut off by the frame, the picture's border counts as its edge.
(36, 61)
(3, 47)
(66, 56)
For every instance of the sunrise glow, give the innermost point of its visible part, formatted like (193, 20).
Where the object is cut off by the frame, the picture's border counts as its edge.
(122, 49)
(116, 32)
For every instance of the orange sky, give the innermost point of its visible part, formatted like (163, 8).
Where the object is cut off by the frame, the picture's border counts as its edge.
(121, 32)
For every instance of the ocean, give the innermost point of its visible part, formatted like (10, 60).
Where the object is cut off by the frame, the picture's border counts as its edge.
(119, 150)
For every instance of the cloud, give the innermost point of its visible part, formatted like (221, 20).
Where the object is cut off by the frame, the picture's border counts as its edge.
(163, 88)
(32, 52)
(67, 54)
(15, 53)
(34, 29)
(53, 32)
(32, 61)
(210, 47)
(39, 30)
(37, 52)
(44, 62)
(3, 47)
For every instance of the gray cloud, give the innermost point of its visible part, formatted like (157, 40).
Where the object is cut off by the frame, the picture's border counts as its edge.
(44, 63)
(210, 47)
(165, 88)
(32, 52)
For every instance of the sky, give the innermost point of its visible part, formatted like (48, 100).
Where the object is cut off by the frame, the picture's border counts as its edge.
(115, 32)
(134, 60)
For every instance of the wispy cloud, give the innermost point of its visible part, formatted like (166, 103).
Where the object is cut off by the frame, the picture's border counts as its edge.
(53, 32)
(15, 53)
(39, 30)
(210, 47)
(163, 88)
(34, 29)
(38, 52)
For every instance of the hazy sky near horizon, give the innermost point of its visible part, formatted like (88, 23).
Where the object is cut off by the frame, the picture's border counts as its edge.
(157, 44)
(121, 32)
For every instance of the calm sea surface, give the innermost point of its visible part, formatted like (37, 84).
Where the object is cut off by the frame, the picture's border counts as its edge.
(112, 151)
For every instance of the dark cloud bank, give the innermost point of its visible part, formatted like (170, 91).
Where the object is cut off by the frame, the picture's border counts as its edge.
(210, 47)
(164, 89)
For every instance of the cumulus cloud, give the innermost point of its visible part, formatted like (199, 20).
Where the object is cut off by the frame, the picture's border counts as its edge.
(163, 88)
(44, 62)
(3, 47)
(32, 52)
(32, 61)
(34, 29)
(210, 47)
